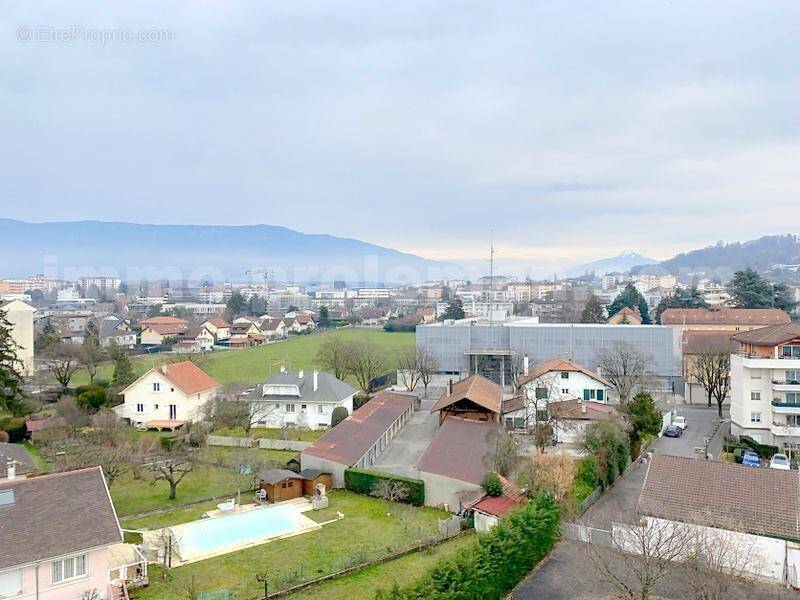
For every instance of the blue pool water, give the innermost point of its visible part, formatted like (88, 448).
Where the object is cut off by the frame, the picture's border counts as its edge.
(208, 536)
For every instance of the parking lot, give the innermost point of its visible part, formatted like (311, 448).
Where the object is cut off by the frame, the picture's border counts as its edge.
(702, 421)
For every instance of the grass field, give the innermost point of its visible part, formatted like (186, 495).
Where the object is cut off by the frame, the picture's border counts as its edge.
(363, 584)
(307, 435)
(254, 365)
(370, 528)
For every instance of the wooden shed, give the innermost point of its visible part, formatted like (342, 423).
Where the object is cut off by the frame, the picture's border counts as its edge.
(311, 477)
(280, 485)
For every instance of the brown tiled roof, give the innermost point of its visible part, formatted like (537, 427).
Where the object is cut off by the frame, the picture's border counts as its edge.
(558, 364)
(188, 377)
(476, 389)
(769, 336)
(750, 317)
(514, 404)
(724, 495)
(496, 505)
(168, 328)
(55, 515)
(164, 321)
(583, 410)
(461, 449)
(218, 322)
(695, 340)
(353, 437)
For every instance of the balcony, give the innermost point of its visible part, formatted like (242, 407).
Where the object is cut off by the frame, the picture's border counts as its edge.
(785, 386)
(786, 408)
(754, 361)
(785, 430)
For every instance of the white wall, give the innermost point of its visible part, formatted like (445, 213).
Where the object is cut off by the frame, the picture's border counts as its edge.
(443, 490)
(274, 414)
(20, 315)
(156, 403)
(566, 389)
(328, 466)
(484, 522)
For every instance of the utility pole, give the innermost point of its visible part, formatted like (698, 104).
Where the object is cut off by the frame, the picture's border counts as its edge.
(263, 579)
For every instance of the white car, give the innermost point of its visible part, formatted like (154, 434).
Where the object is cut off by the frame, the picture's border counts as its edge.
(779, 461)
(680, 421)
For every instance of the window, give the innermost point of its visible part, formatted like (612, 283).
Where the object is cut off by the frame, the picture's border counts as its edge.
(10, 583)
(565, 391)
(755, 374)
(155, 406)
(793, 376)
(156, 387)
(793, 420)
(290, 408)
(793, 397)
(542, 393)
(320, 409)
(755, 417)
(755, 396)
(564, 374)
(69, 568)
(140, 408)
(791, 351)
(601, 395)
(302, 407)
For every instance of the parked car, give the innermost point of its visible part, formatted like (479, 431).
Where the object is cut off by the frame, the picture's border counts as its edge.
(779, 461)
(750, 459)
(673, 431)
(680, 421)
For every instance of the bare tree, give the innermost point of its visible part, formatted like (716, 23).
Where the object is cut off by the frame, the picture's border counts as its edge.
(62, 360)
(550, 473)
(710, 365)
(624, 367)
(231, 408)
(428, 366)
(334, 356)
(366, 361)
(171, 465)
(389, 489)
(544, 411)
(506, 448)
(408, 370)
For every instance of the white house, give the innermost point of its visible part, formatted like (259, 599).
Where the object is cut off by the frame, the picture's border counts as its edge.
(561, 379)
(168, 396)
(20, 315)
(765, 385)
(194, 339)
(219, 328)
(305, 398)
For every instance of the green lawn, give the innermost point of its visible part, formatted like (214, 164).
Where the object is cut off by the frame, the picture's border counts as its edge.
(170, 517)
(254, 365)
(231, 457)
(363, 584)
(131, 496)
(371, 528)
(306, 435)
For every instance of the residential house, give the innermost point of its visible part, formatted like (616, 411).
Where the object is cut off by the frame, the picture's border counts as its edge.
(371, 316)
(300, 397)
(245, 333)
(219, 328)
(626, 316)
(163, 320)
(168, 396)
(61, 539)
(154, 334)
(306, 320)
(561, 379)
(20, 315)
(765, 385)
(274, 329)
(754, 510)
(291, 325)
(456, 461)
(360, 438)
(194, 339)
(116, 330)
(15, 462)
(488, 510)
(427, 314)
(475, 398)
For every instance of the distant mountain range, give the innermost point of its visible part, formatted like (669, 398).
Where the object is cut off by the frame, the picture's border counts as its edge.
(219, 253)
(622, 263)
(762, 254)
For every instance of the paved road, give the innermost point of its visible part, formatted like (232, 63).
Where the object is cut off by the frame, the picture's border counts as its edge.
(702, 422)
(403, 454)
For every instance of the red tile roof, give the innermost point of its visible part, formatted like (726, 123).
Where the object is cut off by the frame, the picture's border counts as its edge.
(751, 317)
(188, 377)
(217, 322)
(477, 389)
(496, 505)
(168, 328)
(352, 438)
(769, 336)
(723, 495)
(461, 449)
(559, 364)
(163, 321)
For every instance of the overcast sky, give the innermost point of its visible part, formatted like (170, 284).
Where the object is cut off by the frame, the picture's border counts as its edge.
(575, 130)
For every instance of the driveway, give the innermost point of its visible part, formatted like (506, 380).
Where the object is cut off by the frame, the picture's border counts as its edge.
(403, 454)
(702, 422)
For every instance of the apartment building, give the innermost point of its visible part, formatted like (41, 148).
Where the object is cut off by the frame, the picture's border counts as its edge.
(103, 285)
(765, 385)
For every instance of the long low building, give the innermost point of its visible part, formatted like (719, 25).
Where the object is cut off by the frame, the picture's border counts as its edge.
(360, 438)
(495, 349)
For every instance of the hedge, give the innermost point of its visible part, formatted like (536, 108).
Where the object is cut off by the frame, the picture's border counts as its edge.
(15, 427)
(491, 568)
(361, 481)
(763, 450)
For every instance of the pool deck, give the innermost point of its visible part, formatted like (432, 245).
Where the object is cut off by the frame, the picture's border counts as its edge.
(303, 525)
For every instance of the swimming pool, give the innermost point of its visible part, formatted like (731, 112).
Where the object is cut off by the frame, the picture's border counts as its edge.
(219, 535)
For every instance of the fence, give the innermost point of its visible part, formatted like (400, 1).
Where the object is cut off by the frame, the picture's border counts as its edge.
(293, 445)
(584, 533)
(229, 441)
(589, 500)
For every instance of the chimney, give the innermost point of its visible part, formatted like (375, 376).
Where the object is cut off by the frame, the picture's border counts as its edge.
(600, 372)
(525, 365)
(283, 369)
(583, 408)
(449, 388)
(12, 470)
(316, 380)
(300, 374)
(164, 369)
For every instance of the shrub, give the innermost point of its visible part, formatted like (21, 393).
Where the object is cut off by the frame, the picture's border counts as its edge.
(14, 427)
(338, 415)
(763, 450)
(491, 484)
(362, 481)
(737, 454)
(495, 564)
(92, 397)
(587, 472)
(4, 437)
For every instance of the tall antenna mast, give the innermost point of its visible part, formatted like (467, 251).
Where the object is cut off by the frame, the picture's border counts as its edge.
(491, 277)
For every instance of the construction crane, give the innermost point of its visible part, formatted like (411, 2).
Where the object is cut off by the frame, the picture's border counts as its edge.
(266, 273)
